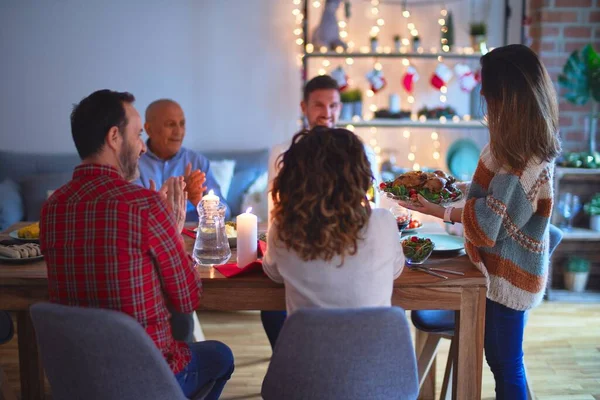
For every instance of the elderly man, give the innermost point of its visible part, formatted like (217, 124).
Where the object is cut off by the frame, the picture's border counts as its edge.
(166, 158)
(111, 244)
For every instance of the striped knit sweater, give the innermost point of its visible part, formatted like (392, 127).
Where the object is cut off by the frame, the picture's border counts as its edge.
(506, 219)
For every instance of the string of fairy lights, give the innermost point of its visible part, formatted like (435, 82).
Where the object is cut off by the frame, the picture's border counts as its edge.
(370, 105)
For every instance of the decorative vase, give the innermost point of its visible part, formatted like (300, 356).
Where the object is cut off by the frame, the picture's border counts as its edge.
(576, 281)
(477, 41)
(394, 101)
(357, 109)
(595, 223)
(591, 130)
(347, 111)
(374, 44)
(416, 44)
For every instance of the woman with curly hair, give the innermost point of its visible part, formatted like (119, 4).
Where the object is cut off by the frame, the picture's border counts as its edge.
(325, 243)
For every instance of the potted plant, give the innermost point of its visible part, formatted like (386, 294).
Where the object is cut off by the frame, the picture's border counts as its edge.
(397, 43)
(357, 102)
(351, 104)
(478, 32)
(347, 105)
(580, 80)
(576, 273)
(593, 210)
(374, 44)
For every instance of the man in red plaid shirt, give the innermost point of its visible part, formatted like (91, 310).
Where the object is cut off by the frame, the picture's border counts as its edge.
(111, 244)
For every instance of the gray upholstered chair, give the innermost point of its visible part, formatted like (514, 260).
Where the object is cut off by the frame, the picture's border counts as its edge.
(98, 354)
(343, 354)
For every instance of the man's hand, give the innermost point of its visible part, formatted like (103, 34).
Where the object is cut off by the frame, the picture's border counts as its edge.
(162, 191)
(177, 199)
(173, 192)
(194, 181)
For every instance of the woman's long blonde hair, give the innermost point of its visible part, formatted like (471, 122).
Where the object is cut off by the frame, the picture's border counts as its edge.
(319, 195)
(522, 110)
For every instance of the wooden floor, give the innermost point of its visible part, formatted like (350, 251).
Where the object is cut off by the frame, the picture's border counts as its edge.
(562, 352)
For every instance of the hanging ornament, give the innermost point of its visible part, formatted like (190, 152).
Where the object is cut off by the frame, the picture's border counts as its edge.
(327, 33)
(376, 79)
(467, 79)
(341, 77)
(441, 76)
(409, 78)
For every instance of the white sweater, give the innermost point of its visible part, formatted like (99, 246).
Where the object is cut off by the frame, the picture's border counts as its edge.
(364, 280)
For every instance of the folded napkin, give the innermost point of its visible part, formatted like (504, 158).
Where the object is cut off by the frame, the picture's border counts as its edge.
(230, 270)
(188, 232)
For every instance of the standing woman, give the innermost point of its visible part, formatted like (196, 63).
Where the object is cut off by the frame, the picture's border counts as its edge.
(509, 203)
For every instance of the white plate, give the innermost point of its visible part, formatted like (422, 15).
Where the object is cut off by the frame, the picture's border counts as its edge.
(20, 260)
(15, 235)
(444, 242)
(407, 199)
(412, 230)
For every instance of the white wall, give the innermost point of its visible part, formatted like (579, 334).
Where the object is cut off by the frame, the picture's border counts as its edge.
(230, 64)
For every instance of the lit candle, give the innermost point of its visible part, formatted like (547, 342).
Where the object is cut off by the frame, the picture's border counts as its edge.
(211, 196)
(247, 238)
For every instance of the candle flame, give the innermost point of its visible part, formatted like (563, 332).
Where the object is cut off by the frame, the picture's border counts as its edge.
(211, 192)
(249, 209)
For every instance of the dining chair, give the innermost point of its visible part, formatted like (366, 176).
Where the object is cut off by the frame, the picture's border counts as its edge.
(7, 332)
(439, 324)
(99, 354)
(325, 354)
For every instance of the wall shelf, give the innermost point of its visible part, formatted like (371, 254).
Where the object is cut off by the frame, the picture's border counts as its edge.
(407, 123)
(332, 54)
(581, 234)
(573, 297)
(559, 172)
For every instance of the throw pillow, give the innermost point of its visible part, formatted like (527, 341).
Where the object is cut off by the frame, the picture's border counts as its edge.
(256, 197)
(223, 172)
(35, 191)
(11, 204)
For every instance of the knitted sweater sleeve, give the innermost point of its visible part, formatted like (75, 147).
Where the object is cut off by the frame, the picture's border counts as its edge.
(501, 202)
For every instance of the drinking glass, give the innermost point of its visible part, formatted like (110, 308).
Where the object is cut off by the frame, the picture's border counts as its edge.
(568, 206)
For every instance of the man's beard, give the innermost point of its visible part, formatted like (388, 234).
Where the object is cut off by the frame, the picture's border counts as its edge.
(128, 162)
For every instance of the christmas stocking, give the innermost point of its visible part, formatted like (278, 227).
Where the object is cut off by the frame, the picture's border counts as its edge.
(409, 78)
(441, 76)
(341, 77)
(376, 79)
(466, 78)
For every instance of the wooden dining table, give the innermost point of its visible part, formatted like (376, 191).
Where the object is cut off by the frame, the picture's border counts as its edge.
(22, 285)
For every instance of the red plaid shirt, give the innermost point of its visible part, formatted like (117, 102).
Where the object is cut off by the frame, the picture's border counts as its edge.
(111, 244)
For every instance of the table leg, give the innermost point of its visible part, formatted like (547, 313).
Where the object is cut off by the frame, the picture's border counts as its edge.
(428, 388)
(470, 328)
(30, 365)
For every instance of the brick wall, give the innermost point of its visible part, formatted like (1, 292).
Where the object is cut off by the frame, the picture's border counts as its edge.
(559, 27)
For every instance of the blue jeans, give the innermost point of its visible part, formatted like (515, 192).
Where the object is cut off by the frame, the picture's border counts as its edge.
(272, 323)
(212, 361)
(504, 350)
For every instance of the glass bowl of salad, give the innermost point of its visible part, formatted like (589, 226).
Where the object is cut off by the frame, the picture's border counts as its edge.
(417, 250)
